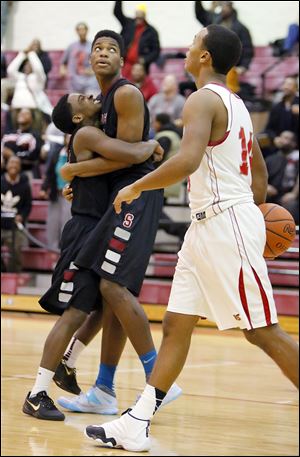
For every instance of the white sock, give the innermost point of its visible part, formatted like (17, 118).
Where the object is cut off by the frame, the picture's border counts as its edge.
(42, 382)
(148, 403)
(73, 351)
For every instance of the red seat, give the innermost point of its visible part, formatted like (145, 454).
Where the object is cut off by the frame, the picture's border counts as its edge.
(38, 259)
(39, 211)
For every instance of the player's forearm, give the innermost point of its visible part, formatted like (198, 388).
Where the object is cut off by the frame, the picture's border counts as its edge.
(130, 153)
(172, 171)
(259, 189)
(94, 167)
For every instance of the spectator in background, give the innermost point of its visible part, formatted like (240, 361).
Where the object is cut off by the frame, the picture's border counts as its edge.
(291, 42)
(75, 64)
(24, 143)
(140, 38)
(42, 55)
(15, 208)
(223, 13)
(283, 116)
(5, 11)
(290, 200)
(28, 75)
(59, 210)
(283, 169)
(168, 101)
(169, 137)
(144, 82)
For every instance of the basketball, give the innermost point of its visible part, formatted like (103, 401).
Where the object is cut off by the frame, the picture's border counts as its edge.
(280, 229)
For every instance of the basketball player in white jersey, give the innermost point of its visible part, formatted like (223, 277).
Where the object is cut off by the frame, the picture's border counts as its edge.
(221, 274)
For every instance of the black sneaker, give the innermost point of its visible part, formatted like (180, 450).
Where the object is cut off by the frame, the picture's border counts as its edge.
(65, 378)
(42, 407)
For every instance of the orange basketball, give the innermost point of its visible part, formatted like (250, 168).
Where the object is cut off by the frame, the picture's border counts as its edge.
(280, 228)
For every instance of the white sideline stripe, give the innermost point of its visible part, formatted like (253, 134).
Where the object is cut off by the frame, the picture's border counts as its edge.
(67, 286)
(113, 256)
(108, 267)
(64, 297)
(123, 234)
(131, 370)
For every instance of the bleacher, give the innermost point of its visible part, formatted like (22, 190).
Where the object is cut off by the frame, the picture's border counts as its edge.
(265, 82)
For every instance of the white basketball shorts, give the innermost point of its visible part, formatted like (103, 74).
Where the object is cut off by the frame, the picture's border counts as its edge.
(221, 274)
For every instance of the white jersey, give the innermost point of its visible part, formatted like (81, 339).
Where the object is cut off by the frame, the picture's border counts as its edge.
(223, 178)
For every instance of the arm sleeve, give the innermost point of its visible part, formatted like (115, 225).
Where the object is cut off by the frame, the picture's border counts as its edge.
(37, 66)
(118, 13)
(13, 67)
(203, 16)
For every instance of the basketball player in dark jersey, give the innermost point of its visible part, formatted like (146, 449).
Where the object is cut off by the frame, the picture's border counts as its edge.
(118, 249)
(74, 292)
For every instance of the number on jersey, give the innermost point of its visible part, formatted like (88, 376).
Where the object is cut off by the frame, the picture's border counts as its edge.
(246, 152)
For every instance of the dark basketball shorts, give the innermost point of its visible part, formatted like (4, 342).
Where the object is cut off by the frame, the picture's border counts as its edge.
(73, 286)
(119, 247)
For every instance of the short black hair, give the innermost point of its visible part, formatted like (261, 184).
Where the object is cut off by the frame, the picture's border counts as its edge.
(115, 36)
(62, 115)
(224, 46)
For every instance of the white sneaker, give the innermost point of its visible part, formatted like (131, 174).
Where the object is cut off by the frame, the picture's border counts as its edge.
(127, 432)
(94, 401)
(173, 393)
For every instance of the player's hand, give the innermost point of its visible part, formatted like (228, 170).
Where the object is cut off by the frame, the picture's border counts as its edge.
(158, 153)
(67, 193)
(127, 194)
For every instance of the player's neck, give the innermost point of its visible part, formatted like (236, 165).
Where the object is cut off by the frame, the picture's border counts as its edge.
(105, 82)
(210, 78)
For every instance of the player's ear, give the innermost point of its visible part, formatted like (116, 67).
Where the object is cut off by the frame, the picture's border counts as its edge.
(122, 61)
(77, 118)
(205, 56)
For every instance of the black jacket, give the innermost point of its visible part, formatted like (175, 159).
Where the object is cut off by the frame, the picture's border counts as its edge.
(149, 47)
(207, 17)
(22, 206)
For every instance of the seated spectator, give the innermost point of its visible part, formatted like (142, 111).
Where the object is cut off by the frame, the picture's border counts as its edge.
(168, 101)
(283, 116)
(27, 72)
(59, 210)
(283, 169)
(223, 13)
(15, 208)
(25, 143)
(76, 65)
(290, 201)
(169, 137)
(140, 38)
(144, 82)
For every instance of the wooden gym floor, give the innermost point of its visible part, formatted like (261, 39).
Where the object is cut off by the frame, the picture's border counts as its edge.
(235, 401)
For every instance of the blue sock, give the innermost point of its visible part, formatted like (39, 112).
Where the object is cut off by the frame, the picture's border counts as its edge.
(106, 376)
(148, 361)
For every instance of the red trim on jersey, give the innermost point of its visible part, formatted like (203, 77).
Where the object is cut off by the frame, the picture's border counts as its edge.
(264, 298)
(243, 296)
(216, 143)
(68, 275)
(117, 245)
